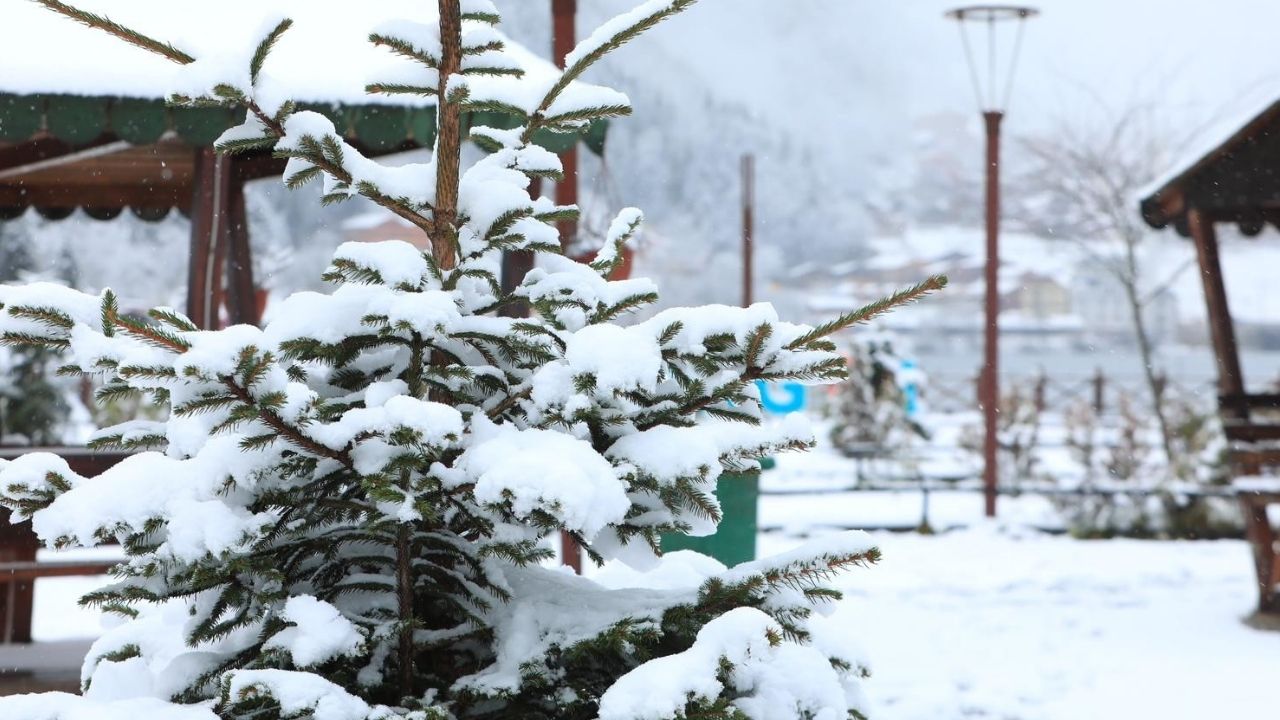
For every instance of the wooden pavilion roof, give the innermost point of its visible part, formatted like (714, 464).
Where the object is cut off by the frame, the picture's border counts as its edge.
(83, 122)
(59, 153)
(1236, 180)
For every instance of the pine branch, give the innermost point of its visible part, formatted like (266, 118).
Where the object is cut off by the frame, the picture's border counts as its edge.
(868, 312)
(277, 423)
(575, 71)
(264, 48)
(133, 37)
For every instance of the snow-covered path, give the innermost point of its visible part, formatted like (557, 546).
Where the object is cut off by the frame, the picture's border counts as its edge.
(1021, 626)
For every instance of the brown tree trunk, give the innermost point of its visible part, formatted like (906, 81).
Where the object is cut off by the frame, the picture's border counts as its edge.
(448, 138)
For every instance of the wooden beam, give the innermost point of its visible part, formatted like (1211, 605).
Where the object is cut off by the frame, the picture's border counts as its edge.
(20, 156)
(142, 196)
(210, 204)
(1221, 327)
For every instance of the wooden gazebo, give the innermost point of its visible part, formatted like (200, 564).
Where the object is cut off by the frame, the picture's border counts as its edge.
(84, 126)
(1237, 182)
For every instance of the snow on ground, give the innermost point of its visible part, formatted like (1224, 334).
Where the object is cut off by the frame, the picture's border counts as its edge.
(984, 623)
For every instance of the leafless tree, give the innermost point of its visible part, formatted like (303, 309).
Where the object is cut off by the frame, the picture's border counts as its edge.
(1085, 178)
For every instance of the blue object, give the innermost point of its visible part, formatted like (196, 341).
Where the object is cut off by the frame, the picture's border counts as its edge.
(794, 401)
(910, 391)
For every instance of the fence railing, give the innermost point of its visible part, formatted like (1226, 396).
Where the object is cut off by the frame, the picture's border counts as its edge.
(1101, 392)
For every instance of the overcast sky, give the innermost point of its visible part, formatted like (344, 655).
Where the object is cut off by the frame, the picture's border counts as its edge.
(879, 61)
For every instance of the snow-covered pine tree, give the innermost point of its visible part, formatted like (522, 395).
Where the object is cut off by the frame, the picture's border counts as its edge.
(868, 412)
(345, 516)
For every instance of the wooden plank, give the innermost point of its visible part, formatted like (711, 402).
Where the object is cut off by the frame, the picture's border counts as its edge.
(1255, 401)
(1255, 458)
(142, 196)
(1221, 328)
(1249, 432)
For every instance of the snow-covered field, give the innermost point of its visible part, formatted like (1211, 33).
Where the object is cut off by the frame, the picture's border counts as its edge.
(991, 623)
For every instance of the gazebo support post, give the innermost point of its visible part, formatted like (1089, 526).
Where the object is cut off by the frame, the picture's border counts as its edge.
(1262, 540)
(17, 598)
(210, 216)
(242, 304)
(1221, 329)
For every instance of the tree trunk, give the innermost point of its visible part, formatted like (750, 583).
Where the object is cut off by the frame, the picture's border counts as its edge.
(1146, 353)
(448, 138)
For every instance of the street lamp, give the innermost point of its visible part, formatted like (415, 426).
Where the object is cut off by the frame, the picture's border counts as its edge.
(992, 93)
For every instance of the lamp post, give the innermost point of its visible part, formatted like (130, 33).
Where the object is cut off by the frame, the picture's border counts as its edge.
(993, 99)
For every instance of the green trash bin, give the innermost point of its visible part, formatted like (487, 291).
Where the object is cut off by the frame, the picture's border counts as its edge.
(735, 539)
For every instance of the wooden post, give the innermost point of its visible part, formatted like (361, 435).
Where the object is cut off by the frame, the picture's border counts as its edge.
(748, 228)
(210, 206)
(242, 301)
(1262, 539)
(17, 597)
(1221, 329)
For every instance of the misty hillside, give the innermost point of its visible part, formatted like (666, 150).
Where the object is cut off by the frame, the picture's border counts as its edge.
(704, 94)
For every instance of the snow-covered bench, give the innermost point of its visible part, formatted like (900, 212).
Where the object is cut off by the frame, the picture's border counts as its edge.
(18, 566)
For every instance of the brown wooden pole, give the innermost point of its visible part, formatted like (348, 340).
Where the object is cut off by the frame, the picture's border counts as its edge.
(1221, 328)
(209, 216)
(563, 38)
(990, 399)
(748, 228)
(17, 597)
(242, 302)
(1262, 540)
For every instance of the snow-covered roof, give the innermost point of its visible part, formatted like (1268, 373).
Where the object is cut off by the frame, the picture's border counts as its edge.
(325, 57)
(1256, 109)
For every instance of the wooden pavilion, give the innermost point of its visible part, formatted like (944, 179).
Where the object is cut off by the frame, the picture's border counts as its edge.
(81, 139)
(1236, 182)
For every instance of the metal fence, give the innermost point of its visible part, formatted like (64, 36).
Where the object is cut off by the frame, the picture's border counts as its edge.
(1099, 391)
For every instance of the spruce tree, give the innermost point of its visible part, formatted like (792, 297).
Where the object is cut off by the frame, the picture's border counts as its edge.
(868, 412)
(345, 516)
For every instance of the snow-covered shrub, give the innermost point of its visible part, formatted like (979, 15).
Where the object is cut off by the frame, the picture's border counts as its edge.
(868, 411)
(345, 515)
(1018, 434)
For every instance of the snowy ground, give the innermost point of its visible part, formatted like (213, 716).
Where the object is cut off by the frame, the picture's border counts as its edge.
(1023, 626)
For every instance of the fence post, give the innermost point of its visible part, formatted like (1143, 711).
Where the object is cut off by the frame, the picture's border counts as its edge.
(1099, 391)
(1041, 383)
